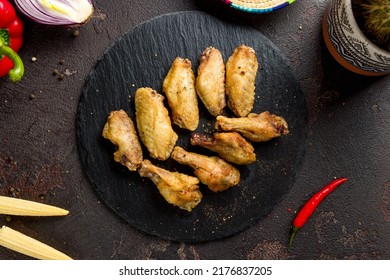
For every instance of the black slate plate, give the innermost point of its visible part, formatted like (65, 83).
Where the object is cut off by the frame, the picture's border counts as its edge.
(142, 57)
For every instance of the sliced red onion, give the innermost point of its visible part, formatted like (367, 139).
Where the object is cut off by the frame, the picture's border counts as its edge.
(56, 12)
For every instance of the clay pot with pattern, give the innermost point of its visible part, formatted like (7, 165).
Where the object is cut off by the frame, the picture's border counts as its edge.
(349, 45)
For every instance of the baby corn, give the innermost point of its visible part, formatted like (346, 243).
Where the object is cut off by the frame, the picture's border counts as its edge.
(26, 245)
(21, 207)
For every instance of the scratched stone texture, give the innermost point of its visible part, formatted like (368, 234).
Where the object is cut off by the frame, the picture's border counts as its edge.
(349, 136)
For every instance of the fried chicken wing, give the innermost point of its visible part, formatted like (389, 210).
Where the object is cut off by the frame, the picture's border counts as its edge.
(178, 189)
(241, 71)
(210, 81)
(213, 171)
(256, 127)
(153, 123)
(179, 87)
(230, 146)
(119, 129)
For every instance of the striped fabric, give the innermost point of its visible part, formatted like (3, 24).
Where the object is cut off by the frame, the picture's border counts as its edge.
(258, 6)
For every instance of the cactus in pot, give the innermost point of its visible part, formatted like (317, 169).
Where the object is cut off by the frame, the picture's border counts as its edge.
(373, 17)
(356, 33)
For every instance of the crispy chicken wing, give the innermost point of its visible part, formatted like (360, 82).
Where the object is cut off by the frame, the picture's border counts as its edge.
(255, 127)
(230, 146)
(153, 123)
(119, 129)
(241, 71)
(178, 189)
(179, 87)
(210, 82)
(214, 172)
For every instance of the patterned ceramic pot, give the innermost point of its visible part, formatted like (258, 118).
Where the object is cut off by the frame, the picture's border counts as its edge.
(347, 43)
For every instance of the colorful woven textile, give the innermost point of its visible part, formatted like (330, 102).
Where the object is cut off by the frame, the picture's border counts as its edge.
(258, 6)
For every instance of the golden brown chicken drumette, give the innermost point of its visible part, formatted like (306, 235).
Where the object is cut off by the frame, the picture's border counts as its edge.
(178, 189)
(230, 146)
(213, 171)
(256, 127)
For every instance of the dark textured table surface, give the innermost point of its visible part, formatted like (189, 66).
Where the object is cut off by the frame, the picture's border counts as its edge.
(349, 135)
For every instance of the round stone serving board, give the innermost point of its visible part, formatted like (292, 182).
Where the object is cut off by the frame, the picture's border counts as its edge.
(142, 57)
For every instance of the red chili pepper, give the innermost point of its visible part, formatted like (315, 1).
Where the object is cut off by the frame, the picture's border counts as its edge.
(11, 40)
(311, 205)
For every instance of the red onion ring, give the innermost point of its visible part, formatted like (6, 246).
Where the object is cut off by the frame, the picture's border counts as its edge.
(79, 11)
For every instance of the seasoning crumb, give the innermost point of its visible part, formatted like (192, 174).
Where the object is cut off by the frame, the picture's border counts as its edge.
(61, 77)
(33, 59)
(76, 33)
(62, 61)
(69, 72)
(56, 72)
(376, 108)
(32, 96)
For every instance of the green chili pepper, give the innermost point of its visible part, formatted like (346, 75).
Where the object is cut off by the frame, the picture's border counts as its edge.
(17, 72)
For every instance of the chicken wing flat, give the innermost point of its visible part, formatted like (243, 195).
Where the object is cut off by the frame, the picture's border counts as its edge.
(256, 127)
(178, 189)
(179, 87)
(119, 129)
(210, 81)
(230, 146)
(153, 123)
(213, 171)
(241, 71)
